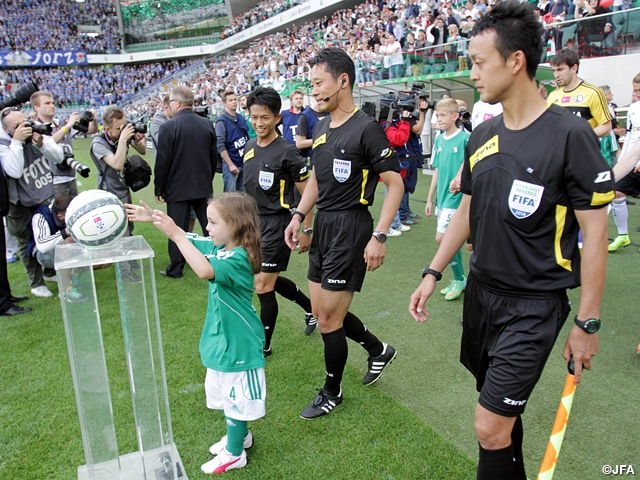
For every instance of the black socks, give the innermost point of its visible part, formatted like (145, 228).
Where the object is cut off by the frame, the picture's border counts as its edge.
(336, 352)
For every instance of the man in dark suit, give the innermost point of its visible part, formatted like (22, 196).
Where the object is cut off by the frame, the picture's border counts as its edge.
(185, 165)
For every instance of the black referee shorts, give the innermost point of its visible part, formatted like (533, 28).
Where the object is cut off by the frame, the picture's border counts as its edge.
(506, 340)
(336, 258)
(629, 184)
(275, 252)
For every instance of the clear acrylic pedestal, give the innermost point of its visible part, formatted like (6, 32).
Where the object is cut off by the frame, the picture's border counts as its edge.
(157, 457)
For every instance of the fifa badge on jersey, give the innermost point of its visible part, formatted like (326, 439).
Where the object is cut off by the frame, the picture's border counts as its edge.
(524, 198)
(341, 169)
(266, 180)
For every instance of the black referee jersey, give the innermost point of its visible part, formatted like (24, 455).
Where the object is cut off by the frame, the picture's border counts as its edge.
(270, 173)
(525, 187)
(348, 160)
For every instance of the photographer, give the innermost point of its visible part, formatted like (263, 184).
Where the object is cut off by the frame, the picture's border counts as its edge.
(414, 151)
(109, 152)
(397, 132)
(464, 120)
(25, 155)
(64, 178)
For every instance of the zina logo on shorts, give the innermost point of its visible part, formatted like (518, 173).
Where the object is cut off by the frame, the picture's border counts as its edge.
(515, 403)
(332, 280)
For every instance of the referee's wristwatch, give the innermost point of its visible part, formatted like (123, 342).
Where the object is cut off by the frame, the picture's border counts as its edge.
(431, 271)
(307, 231)
(380, 236)
(590, 326)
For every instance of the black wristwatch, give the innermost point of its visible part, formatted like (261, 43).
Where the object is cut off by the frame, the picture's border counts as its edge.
(431, 271)
(300, 214)
(590, 326)
(307, 231)
(380, 236)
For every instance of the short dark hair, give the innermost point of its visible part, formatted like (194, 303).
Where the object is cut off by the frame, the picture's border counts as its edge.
(61, 203)
(265, 97)
(336, 61)
(517, 29)
(566, 56)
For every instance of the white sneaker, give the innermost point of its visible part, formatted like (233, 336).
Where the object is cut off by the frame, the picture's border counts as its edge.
(405, 228)
(394, 233)
(216, 448)
(223, 462)
(42, 291)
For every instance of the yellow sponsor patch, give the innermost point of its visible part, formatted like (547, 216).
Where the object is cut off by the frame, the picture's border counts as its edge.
(320, 140)
(489, 148)
(249, 155)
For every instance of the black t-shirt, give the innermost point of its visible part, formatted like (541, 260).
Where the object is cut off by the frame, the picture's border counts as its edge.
(348, 160)
(270, 173)
(524, 196)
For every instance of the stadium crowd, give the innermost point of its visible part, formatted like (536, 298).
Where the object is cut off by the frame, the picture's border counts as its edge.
(257, 14)
(96, 86)
(39, 25)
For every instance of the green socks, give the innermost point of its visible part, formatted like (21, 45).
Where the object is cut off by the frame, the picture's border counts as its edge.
(457, 267)
(236, 431)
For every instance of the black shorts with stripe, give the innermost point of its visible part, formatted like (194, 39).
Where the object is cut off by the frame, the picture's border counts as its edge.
(506, 341)
(336, 258)
(629, 184)
(275, 252)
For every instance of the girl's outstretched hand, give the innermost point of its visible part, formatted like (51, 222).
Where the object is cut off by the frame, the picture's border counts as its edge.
(141, 213)
(166, 225)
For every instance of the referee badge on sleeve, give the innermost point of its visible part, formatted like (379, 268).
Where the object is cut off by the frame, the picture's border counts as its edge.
(266, 180)
(524, 198)
(341, 169)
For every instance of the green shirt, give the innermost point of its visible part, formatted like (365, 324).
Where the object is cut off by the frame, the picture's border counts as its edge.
(247, 117)
(448, 155)
(608, 146)
(233, 336)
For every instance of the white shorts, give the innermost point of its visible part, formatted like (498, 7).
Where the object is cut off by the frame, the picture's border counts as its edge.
(444, 217)
(240, 395)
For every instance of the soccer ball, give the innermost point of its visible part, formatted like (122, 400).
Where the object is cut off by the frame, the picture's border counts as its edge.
(96, 218)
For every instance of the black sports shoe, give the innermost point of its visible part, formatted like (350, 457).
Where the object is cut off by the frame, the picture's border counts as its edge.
(321, 405)
(378, 364)
(311, 322)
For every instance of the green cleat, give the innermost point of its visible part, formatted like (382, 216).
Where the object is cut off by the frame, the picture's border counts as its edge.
(448, 288)
(619, 241)
(456, 290)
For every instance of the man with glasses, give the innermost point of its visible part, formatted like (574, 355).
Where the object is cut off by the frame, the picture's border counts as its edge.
(185, 165)
(25, 157)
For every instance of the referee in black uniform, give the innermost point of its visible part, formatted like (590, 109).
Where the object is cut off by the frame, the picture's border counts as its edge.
(351, 152)
(272, 166)
(524, 202)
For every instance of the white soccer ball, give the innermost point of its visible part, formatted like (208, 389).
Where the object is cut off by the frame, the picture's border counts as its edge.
(96, 218)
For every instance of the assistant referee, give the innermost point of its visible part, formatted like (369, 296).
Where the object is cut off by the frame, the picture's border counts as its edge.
(524, 202)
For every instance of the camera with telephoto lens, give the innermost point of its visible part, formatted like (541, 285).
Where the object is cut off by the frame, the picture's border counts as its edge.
(41, 128)
(70, 162)
(83, 125)
(465, 115)
(22, 95)
(139, 127)
(202, 111)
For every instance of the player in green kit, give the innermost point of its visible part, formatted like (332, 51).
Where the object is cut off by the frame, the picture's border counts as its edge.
(232, 338)
(448, 156)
